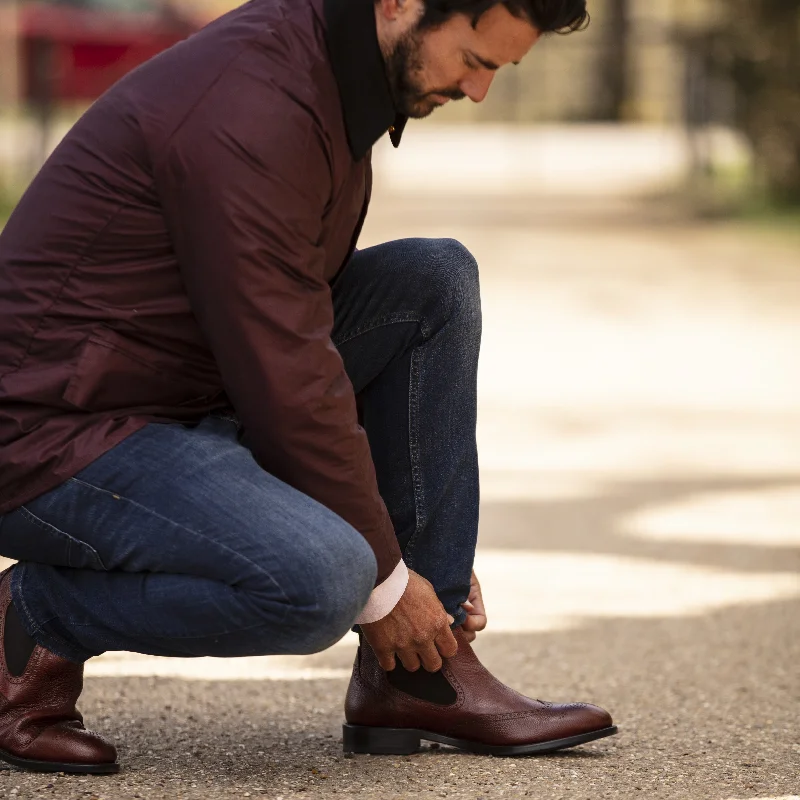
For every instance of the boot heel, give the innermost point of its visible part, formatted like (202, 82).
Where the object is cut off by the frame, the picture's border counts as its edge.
(380, 741)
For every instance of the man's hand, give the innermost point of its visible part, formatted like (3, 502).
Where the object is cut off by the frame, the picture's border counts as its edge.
(417, 630)
(476, 613)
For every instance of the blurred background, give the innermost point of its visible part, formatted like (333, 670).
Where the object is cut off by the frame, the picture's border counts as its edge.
(700, 95)
(632, 195)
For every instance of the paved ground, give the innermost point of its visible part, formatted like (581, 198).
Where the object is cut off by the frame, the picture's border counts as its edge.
(640, 535)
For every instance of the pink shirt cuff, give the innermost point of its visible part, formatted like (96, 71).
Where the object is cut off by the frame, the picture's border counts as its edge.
(385, 596)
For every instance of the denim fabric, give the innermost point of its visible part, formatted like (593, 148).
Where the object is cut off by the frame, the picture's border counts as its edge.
(177, 543)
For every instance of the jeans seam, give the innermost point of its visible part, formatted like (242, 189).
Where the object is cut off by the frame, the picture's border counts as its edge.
(54, 643)
(48, 526)
(413, 419)
(190, 530)
(382, 322)
(34, 625)
(420, 518)
(414, 457)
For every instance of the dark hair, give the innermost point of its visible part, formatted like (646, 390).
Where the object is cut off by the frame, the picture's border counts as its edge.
(548, 16)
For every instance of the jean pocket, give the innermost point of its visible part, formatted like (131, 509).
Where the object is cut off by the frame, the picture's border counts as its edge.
(26, 537)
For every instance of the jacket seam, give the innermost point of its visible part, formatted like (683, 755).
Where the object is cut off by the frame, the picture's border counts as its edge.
(80, 259)
(158, 161)
(48, 481)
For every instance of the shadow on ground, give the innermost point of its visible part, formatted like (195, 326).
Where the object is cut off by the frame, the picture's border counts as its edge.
(707, 709)
(592, 524)
(707, 705)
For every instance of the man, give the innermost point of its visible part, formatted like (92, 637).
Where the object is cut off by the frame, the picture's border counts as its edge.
(223, 431)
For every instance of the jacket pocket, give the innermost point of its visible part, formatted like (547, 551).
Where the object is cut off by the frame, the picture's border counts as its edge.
(114, 372)
(26, 537)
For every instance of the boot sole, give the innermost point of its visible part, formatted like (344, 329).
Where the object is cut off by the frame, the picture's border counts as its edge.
(53, 766)
(404, 741)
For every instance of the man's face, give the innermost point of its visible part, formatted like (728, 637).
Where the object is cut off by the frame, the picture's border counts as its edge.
(428, 68)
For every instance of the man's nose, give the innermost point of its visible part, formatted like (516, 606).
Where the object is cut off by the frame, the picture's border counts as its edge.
(476, 84)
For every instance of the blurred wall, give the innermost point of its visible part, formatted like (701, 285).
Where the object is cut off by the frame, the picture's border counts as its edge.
(630, 65)
(567, 78)
(640, 61)
(9, 79)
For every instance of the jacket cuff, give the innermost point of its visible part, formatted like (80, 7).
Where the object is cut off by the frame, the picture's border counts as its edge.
(385, 596)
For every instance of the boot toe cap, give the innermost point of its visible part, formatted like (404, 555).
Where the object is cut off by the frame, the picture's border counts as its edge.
(552, 722)
(586, 718)
(72, 745)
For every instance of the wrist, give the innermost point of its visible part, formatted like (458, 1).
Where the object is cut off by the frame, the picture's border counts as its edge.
(385, 596)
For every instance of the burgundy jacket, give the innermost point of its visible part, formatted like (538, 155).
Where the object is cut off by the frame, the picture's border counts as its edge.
(174, 257)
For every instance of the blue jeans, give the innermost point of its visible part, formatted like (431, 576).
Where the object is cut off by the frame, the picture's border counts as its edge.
(176, 543)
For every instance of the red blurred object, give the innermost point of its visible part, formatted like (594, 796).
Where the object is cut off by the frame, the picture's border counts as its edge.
(75, 54)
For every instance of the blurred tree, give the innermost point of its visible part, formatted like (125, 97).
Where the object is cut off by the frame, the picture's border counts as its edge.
(758, 47)
(612, 89)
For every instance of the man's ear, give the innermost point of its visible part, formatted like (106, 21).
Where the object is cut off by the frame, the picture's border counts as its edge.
(393, 10)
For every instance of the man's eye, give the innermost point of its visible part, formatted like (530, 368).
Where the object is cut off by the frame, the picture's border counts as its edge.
(468, 62)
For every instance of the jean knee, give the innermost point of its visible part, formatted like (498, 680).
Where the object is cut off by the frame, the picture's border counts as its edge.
(340, 592)
(451, 276)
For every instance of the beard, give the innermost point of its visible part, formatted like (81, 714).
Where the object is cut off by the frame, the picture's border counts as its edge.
(404, 70)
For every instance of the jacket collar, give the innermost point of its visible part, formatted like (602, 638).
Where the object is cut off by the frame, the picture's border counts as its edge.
(361, 75)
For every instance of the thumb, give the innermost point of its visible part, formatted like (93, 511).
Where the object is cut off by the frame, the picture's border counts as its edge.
(475, 622)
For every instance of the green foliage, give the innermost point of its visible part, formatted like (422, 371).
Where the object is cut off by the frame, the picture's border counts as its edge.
(8, 199)
(758, 46)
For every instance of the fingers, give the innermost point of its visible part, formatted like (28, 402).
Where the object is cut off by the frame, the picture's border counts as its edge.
(476, 617)
(429, 655)
(470, 636)
(386, 660)
(477, 605)
(474, 623)
(410, 660)
(474, 607)
(446, 643)
(431, 659)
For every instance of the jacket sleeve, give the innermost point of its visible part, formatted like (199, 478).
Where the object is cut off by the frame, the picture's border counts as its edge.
(244, 188)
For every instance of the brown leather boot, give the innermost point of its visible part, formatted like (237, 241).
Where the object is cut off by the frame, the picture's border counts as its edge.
(40, 728)
(462, 705)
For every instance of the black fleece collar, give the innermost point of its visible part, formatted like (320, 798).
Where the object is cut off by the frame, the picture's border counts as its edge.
(361, 75)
